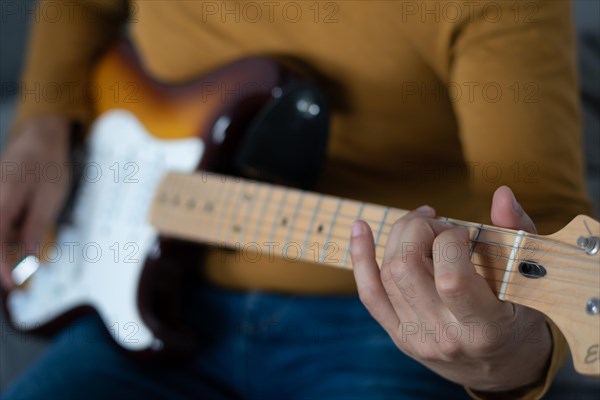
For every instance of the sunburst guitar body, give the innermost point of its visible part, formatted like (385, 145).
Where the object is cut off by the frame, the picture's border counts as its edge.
(105, 257)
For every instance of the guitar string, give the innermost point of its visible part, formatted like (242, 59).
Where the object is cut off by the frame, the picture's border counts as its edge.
(503, 270)
(239, 202)
(535, 292)
(224, 210)
(455, 222)
(482, 228)
(531, 289)
(582, 283)
(549, 265)
(544, 253)
(517, 272)
(262, 212)
(383, 208)
(498, 281)
(221, 194)
(585, 258)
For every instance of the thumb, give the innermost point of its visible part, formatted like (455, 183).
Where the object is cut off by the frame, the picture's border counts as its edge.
(508, 213)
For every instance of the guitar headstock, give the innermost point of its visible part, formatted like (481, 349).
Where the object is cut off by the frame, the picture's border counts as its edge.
(572, 260)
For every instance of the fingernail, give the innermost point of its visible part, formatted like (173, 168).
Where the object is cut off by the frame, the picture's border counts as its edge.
(357, 229)
(425, 210)
(515, 204)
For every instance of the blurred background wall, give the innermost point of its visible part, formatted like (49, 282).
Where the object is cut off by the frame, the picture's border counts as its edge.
(13, 37)
(18, 350)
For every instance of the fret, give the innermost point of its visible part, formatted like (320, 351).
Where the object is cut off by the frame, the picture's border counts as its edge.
(341, 232)
(347, 251)
(183, 198)
(266, 233)
(198, 212)
(233, 213)
(373, 214)
(229, 192)
(489, 253)
(309, 232)
(390, 216)
(292, 223)
(268, 225)
(171, 197)
(255, 190)
(333, 221)
(211, 207)
(261, 215)
(474, 240)
(393, 215)
(278, 214)
(381, 226)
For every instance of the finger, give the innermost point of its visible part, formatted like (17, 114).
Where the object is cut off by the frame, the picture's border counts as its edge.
(13, 199)
(410, 266)
(393, 246)
(368, 281)
(13, 195)
(6, 270)
(508, 213)
(462, 290)
(398, 227)
(42, 214)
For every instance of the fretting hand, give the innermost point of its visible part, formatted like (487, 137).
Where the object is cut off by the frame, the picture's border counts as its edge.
(427, 292)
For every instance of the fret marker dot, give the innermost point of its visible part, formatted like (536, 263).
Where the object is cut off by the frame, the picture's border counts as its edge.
(320, 229)
(191, 203)
(208, 207)
(284, 221)
(163, 197)
(237, 228)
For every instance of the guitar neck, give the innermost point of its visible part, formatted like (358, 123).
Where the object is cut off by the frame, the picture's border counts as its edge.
(299, 225)
(556, 274)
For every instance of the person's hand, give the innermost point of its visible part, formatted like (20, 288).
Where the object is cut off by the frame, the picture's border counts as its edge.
(427, 292)
(33, 188)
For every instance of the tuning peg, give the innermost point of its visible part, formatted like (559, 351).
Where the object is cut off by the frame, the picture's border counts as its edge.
(589, 244)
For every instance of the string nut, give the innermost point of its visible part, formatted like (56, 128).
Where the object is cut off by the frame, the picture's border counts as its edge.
(589, 244)
(592, 307)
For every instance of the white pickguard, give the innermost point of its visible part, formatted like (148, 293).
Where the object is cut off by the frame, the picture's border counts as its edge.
(98, 259)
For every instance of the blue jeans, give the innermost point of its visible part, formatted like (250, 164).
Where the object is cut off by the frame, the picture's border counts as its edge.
(257, 346)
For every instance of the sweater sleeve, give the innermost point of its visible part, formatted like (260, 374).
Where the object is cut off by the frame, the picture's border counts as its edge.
(523, 121)
(66, 37)
(511, 76)
(510, 71)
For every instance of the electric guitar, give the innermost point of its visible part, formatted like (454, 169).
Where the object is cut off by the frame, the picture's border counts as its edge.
(558, 274)
(144, 128)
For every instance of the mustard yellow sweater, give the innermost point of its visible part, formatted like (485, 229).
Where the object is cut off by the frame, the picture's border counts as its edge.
(429, 89)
